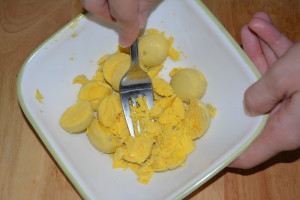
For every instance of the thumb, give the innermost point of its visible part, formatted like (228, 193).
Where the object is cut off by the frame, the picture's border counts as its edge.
(126, 12)
(278, 83)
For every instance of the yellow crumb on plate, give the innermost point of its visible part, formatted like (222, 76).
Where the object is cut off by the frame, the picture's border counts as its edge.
(74, 24)
(74, 35)
(39, 96)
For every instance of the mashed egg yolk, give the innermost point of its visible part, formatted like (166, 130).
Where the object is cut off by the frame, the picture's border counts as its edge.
(164, 134)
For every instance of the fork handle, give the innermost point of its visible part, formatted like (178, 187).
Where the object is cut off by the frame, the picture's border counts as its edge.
(134, 53)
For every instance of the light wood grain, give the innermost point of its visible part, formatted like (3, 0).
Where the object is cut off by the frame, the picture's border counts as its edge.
(28, 171)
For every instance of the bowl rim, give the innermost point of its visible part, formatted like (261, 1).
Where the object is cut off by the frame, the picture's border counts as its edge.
(193, 186)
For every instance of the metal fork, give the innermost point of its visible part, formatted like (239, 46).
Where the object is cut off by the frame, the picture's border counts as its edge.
(135, 83)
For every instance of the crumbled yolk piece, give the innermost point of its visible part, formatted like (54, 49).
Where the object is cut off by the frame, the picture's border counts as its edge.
(99, 76)
(102, 59)
(173, 71)
(109, 109)
(74, 23)
(212, 110)
(74, 35)
(81, 79)
(174, 54)
(138, 149)
(123, 50)
(162, 87)
(164, 134)
(39, 96)
(113, 64)
(94, 91)
(152, 31)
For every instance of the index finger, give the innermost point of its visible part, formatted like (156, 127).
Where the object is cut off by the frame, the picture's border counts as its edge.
(253, 49)
(278, 42)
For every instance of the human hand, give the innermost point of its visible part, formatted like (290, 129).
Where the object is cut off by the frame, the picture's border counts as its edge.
(131, 15)
(276, 93)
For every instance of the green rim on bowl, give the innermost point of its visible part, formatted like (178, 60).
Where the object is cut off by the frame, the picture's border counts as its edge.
(191, 187)
(226, 162)
(71, 24)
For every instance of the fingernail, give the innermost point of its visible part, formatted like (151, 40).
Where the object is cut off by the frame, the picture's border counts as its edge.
(123, 43)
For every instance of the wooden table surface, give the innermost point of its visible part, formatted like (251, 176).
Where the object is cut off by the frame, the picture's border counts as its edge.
(28, 171)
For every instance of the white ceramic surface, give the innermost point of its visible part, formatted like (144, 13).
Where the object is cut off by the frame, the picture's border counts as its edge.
(208, 47)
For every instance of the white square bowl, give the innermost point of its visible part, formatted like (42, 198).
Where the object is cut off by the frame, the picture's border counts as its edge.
(75, 49)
